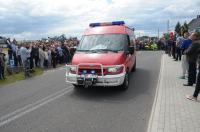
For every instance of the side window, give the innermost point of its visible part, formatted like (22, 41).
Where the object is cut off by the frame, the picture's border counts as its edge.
(129, 40)
(132, 40)
(127, 44)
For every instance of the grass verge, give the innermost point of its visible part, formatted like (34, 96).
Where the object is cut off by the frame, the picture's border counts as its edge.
(19, 76)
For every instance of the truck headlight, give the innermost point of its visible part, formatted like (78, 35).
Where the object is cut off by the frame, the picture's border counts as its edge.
(115, 70)
(71, 69)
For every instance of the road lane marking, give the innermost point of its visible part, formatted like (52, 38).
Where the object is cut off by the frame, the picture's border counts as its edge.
(31, 107)
(150, 123)
(32, 104)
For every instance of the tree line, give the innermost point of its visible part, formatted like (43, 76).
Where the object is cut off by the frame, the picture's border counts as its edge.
(181, 29)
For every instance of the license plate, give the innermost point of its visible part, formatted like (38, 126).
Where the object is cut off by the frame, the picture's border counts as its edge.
(88, 76)
(87, 79)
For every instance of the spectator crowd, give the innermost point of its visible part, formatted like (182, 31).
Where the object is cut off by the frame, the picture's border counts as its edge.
(186, 49)
(42, 54)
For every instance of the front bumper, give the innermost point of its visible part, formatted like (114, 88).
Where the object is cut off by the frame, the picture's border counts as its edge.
(107, 80)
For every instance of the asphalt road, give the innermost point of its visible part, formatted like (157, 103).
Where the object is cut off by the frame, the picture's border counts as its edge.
(48, 104)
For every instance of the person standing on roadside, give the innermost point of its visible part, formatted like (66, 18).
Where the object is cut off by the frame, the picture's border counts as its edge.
(197, 87)
(19, 61)
(31, 57)
(25, 54)
(49, 56)
(173, 49)
(14, 50)
(179, 42)
(60, 54)
(184, 46)
(10, 52)
(41, 56)
(192, 55)
(68, 55)
(54, 57)
(169, 46)
(2, 64)
(46, 58)
(36, 54)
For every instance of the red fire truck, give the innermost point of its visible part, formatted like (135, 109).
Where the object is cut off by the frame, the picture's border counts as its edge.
(105, 56)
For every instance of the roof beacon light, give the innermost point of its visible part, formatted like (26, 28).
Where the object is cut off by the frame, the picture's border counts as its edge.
(107, 23)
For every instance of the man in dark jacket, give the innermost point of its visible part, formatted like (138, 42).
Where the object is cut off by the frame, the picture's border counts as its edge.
(66, 53)
(34, 56)
(10, 52)
(169, 46)
(197, 88)
(192, 55)
(54, 57)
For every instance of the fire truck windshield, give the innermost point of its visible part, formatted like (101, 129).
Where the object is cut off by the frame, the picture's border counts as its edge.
(103, 42)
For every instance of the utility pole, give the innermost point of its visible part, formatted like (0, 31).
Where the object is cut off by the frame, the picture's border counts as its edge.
(167, 26)
(158, 33)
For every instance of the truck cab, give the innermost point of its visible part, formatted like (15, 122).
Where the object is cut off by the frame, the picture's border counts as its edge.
(105, 56)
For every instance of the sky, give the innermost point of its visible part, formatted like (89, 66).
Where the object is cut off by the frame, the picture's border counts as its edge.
(35, 19)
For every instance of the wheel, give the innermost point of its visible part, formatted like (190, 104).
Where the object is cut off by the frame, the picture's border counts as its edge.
(125, 84)
(134, 67)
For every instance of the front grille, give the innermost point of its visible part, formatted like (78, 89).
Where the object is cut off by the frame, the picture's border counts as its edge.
(91, 71)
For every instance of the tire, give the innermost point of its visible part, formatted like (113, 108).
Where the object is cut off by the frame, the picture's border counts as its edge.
(134, 67)
(125, 84)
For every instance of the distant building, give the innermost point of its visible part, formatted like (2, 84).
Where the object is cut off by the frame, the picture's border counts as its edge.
(3, 42)
(194, 25)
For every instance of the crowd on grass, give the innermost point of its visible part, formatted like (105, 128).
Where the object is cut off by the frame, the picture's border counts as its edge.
(186, 49)
(44, 54)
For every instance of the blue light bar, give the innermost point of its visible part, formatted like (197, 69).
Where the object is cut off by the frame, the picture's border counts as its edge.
(107, 23)
(94, 24)
(118, 23)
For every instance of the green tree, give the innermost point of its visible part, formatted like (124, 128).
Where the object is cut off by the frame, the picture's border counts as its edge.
(178, 28)
(185, 25)
(184, 28)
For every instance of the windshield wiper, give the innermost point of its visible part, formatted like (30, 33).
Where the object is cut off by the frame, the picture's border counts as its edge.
(83, 50)
(104, 50)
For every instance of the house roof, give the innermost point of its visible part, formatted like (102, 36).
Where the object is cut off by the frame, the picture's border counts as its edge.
(2, 40)
(194, 23)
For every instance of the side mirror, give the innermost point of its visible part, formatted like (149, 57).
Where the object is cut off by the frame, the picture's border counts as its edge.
(131, 49)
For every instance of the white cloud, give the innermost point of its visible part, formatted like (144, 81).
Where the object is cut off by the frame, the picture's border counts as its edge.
(52, 17)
